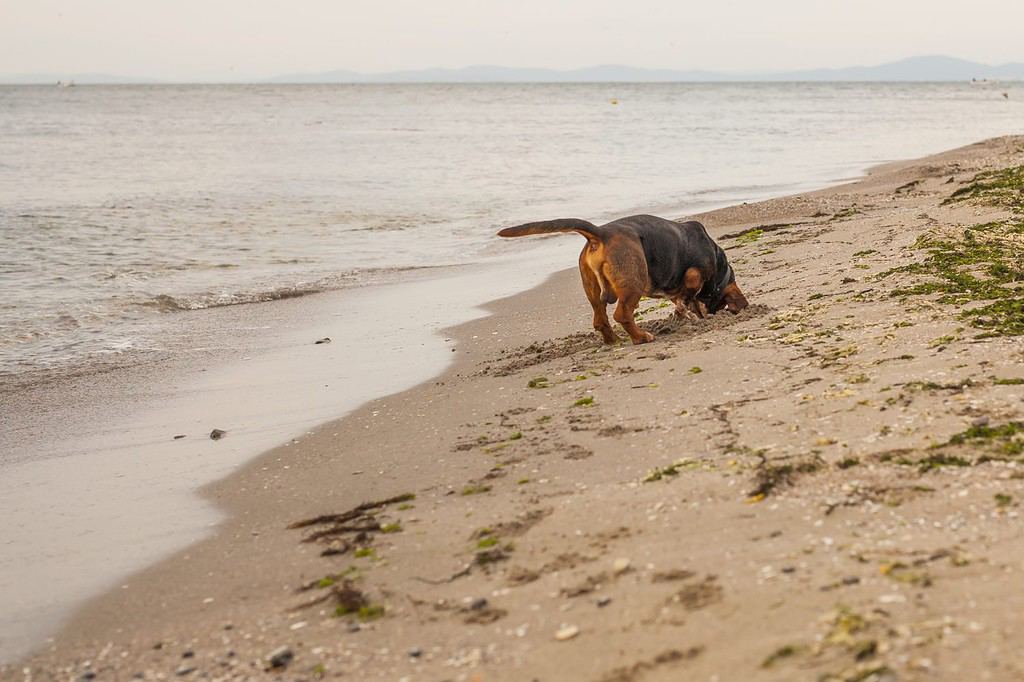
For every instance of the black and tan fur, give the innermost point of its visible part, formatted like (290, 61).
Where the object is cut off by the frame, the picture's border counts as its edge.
(645, 255)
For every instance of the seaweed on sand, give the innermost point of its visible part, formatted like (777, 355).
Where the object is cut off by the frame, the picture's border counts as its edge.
(983, 264)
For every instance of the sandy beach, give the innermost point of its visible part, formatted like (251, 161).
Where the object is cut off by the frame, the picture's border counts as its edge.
(823, 487)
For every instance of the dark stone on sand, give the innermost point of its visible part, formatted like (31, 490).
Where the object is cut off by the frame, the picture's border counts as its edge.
(87, 675)
(188, 653)
(217, 434)
(185, 670)
(281, 656)
(326, 339)
(179, 436)
(415, 652)
(478, 604)
(603, 601)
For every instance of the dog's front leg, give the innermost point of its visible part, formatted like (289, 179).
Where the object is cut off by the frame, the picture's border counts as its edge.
(685, 310)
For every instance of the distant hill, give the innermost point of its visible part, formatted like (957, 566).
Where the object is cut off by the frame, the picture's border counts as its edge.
(610, 73)
(929, 68)
(932, 68)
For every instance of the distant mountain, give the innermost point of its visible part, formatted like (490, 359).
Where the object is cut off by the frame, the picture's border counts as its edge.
(930, 68)
(609, 73)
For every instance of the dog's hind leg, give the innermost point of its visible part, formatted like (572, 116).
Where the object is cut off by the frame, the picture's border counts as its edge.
(624, 312)
(592, 287)
(626, 270)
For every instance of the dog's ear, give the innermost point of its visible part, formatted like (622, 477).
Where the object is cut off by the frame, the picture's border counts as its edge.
(735, 301)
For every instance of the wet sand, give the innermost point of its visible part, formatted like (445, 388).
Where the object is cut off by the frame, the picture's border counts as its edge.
(825, 486)
(99, 472)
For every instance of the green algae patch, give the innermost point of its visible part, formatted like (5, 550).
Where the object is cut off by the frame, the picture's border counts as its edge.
(771, 476)
(780, 654)
(659, 473)
(750, 236)
(902, 573)
(1004, 439)
(981, 269)
(364, 613)
(940, 460)
(1004, 187)
(584, 402)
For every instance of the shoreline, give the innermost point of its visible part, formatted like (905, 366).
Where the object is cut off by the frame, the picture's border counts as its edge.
(104, 417)
(554, 310)
(86, 435)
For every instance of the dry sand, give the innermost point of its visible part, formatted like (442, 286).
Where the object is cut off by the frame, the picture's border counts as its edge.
(751, 497)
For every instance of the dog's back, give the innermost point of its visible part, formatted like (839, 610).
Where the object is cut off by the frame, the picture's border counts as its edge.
(670, 248)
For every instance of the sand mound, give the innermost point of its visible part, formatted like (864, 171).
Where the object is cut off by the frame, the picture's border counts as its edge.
(523, 357)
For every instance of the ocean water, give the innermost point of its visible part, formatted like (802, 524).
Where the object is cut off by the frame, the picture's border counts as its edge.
(123, 205)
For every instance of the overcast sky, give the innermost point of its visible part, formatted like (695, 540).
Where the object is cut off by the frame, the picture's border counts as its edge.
(246, 39)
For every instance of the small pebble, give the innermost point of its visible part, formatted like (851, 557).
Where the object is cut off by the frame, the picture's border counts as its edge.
(566, 632)
(980, 421)
(188, 653)
(603, 601)
(217, 434)
(415, 652)
(620, 565)
(184, 669)
(478, 604)
(280, 657)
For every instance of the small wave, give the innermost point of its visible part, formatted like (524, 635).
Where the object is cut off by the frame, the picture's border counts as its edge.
(166, 303)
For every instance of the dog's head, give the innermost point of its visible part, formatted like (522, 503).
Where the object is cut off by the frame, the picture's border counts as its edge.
(724, 293)
(733, 299)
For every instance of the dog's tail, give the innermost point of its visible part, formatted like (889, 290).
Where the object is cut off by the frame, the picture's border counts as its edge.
(589, 230)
